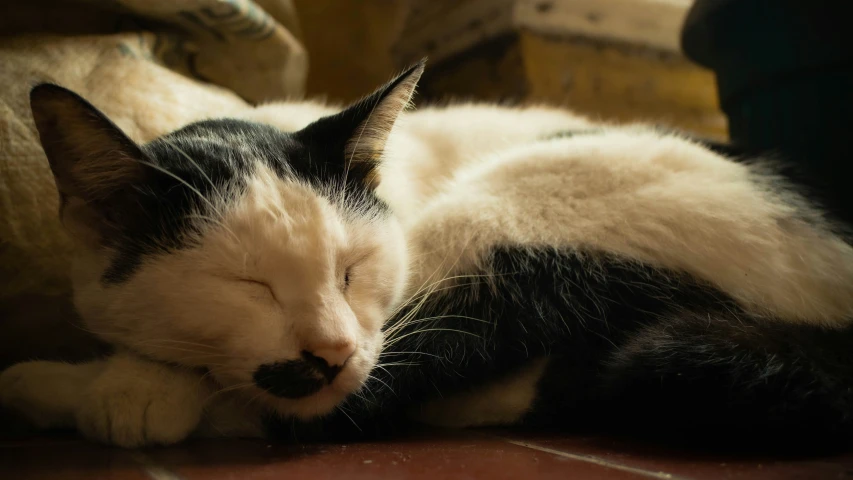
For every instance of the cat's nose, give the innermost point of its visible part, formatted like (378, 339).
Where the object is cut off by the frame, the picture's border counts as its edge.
(307, 375)
(334, 355)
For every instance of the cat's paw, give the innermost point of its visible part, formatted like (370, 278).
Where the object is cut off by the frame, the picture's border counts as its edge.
(46, 393)
(135, 403)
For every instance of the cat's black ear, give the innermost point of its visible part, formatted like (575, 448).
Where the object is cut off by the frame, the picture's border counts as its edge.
(95, 165)
(358, 134)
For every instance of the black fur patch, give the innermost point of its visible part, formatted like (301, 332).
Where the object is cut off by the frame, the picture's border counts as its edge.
(631, 348)
(728, 378)
(290, 379)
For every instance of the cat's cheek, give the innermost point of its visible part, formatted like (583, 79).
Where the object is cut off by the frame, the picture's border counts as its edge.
(370, 319)
(362, 300)
(370, 349)
(393, 280)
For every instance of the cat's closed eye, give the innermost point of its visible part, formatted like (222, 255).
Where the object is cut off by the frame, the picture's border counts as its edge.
(346, 279)
(348, 272)
(263, 289)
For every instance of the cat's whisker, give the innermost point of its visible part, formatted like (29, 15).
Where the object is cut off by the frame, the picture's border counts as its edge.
(197, 167)
(425, 286)
(232, 369)
(99, 333)
(166, 344)
(425, 330)
(364, 388)
(383, 354)
(393, 364)
(341, 409)
(434, 319)
(455, 262)
(418, 306)
(205, 376)
(231, 388)
(428, 285)
(182, 181)
(364, 399)
(172, 348)
(253, 399)
(377, 379)
(382, 367)
(433, 286)
(184, 342)
(348, 163)
(197, 361)
(218, 223)
(405, 321)
(408, 319)
(189, 362)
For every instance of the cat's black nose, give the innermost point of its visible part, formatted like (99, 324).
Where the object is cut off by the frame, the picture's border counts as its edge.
(295, 378)
(320, 363)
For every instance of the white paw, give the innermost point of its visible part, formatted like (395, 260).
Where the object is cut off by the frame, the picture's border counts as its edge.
(46, 393)
(136, 403)
(502, 402)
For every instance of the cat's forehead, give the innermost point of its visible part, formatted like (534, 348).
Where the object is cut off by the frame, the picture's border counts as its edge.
(229, 152)
(227, 147)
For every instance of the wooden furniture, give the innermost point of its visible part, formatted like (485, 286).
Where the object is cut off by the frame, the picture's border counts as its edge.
(612, 59)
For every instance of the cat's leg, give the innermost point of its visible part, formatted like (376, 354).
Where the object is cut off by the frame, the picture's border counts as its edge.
(501, 402)
(380, 414)
(230, 416)
(135, 402)
(47, 394)
(125, 400)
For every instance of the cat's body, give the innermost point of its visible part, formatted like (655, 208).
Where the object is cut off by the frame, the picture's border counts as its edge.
(610, 274)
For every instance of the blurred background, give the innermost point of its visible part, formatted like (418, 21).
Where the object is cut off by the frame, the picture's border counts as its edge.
(614, 59)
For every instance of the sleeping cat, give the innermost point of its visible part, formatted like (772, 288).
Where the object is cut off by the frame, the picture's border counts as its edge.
(324, 274)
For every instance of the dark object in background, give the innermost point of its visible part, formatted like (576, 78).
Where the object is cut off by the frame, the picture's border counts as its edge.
(785, 81)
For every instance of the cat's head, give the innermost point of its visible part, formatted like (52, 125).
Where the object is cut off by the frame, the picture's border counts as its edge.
(263, 256)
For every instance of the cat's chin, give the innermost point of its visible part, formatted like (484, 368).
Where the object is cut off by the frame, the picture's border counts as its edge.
(316, 405)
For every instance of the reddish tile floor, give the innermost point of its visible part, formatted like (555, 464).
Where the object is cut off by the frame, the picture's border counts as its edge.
(450, 456)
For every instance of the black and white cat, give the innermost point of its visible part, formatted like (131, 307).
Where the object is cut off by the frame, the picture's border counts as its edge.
(329, 274)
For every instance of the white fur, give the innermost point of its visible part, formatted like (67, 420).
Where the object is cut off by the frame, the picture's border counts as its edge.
(123, 400)
(264, 284)
(47, 393)
(429, 147)
(460, 179)
(134, 402)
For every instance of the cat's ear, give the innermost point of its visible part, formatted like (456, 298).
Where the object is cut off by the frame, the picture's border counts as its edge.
(360, 131)
(95, 165)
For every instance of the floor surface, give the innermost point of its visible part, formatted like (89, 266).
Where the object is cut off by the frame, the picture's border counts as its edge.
(474, 455)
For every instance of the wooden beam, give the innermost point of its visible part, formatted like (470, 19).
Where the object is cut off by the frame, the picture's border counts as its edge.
(650, 23)
(443, 28)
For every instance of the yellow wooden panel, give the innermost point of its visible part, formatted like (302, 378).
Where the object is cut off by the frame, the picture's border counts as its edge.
(349, 44)
(492, 71)
(622, 82)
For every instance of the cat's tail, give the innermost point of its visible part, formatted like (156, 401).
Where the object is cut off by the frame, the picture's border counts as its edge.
(723, 378)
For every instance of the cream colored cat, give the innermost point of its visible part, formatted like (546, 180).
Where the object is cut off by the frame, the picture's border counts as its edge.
(300, 265)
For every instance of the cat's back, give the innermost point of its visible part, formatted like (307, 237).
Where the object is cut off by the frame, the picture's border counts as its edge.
(658, 199)
(432, 145)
